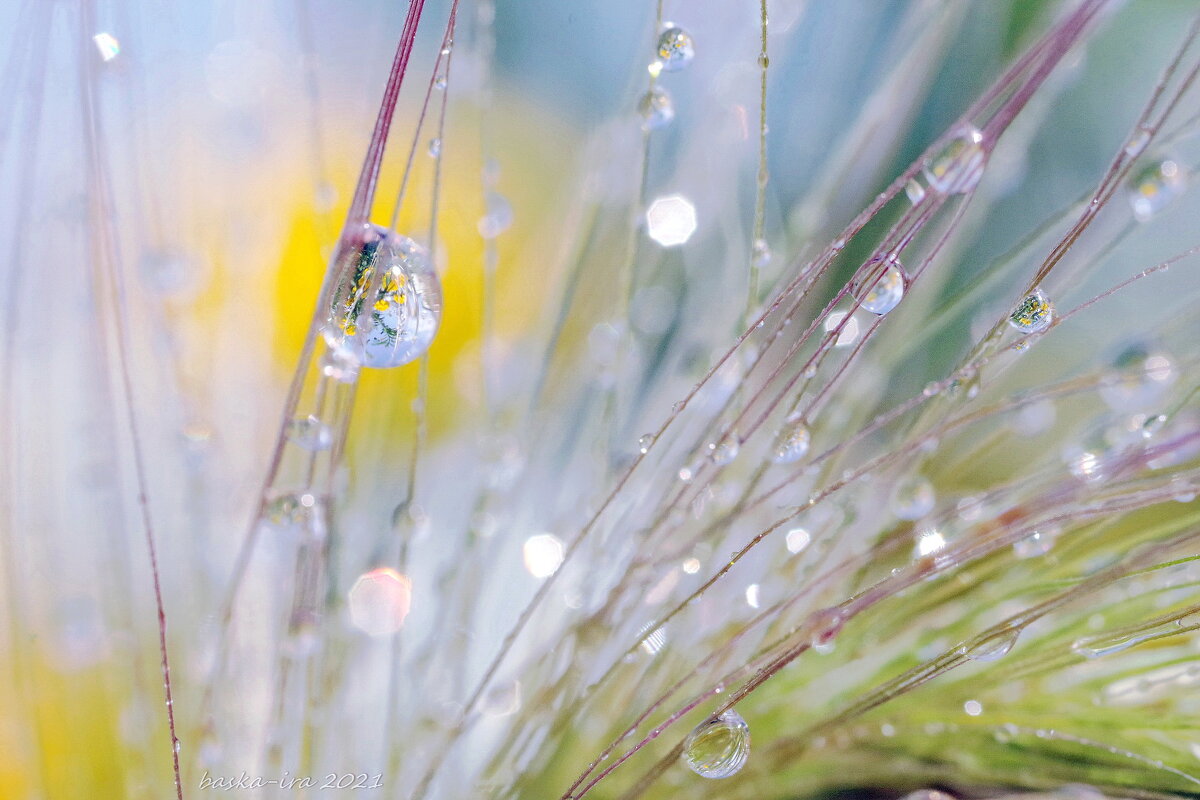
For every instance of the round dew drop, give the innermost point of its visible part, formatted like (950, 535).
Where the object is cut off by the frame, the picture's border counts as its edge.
(1033, 314)
(913, 498)
(880, 292)
(718, 747)
(656, 109)
(675, 48)
(726, 450)
(791, 443)
(957, 168)
(1155, 186)
(387, 301)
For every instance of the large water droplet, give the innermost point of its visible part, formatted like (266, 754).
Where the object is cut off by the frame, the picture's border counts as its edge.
(1034, 313)
(791, 443)
(913, 498)
(957, 168)
(882, 286)
(1155, 186)
(656, 109)
(387, 301)
(993, 647)
(644, 443)
(718, 747)
(675, 48)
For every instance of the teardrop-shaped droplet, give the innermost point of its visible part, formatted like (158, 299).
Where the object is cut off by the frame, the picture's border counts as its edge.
(882, 286)
(1034, 313)
(993, 647)
(726, 450)
(675, 48)
(791, 443)
(644, 443)
(957, 168)
(718, 747)
(311, 433)
(387, 301)
(1155, 186)
(656, 109)
(913, 498)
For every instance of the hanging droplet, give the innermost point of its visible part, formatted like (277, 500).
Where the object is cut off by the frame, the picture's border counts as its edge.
(718, 747)
(993, 647)
(886, 288)
(1140, 378)
(656, 109)
(675, 48)
(1034, 313)
(791, 443)
(913, 498)
(957, 168)
(387, 301)
(435, 147)
(644, 443)
(726, 450)
(311, 433)
(1155, 186)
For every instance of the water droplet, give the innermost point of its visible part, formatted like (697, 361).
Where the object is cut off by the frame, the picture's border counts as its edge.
(993, 647)
(435, 147)
(718, 747)
(498, 217)
(929, 542)
(886, 280)
(1153, 425)
(439, 83)
(914, 191)
(1035, 544)
(825, 625)
(913, 498)
(387, 303)
(1137, 143)
(644, 443)
(957, 168)
(791, 443)
(288, 509)
(1034, 313)
(311, 433)
(675, 48)
(726, 450)
(760, 253)
(1140, 378)
(656, 109)
(1155, 186)
(671, 220)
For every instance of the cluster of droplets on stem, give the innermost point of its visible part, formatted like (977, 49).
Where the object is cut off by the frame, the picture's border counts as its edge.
(674, 50)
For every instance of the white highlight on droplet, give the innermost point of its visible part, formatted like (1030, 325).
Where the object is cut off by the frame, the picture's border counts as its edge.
(930, 541)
